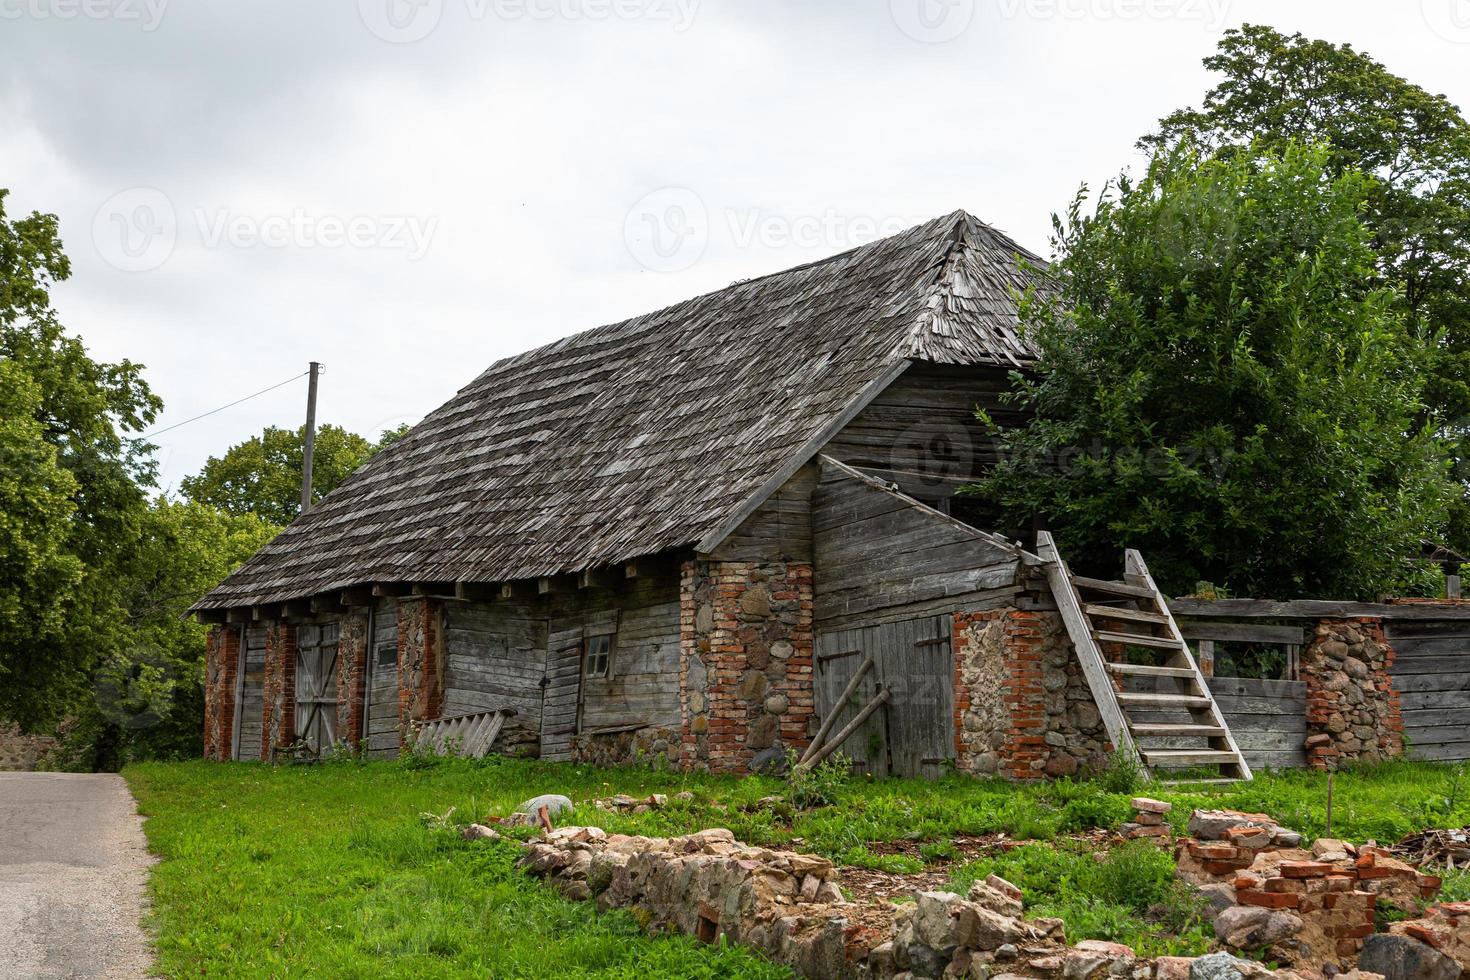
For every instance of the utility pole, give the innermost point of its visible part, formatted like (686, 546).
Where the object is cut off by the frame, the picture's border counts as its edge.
(308, 447)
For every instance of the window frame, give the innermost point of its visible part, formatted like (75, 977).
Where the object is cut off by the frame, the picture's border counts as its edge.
(589, 657)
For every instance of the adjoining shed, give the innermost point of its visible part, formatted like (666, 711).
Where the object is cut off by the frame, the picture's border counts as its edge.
(709, 535)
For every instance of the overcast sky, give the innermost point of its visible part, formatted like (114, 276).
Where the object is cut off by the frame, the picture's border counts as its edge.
(407, 190)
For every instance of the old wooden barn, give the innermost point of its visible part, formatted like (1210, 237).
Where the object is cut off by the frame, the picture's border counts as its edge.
(727, 531)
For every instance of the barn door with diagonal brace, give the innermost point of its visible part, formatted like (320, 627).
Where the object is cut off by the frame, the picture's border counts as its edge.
(316, 686)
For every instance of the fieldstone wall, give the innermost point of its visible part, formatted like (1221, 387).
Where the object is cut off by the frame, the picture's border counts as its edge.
(279, 690)
(1023, 710)
(221, 674)
(1352, 709)
(643, 746)
(420, 662)
(352, 654)
(745, 672)
(22, 752)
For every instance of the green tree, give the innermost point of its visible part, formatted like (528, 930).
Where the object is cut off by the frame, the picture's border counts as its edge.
(1225, 385)
(262, 475)
(1278, 89)
(147, 696)
(83, 410)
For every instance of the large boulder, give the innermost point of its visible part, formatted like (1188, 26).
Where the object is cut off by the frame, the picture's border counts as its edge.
(554, 804)
(1252, 927)
(1404, 958)
(1223, 966)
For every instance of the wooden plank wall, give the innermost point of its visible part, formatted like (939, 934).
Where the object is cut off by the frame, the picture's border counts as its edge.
(922, 433)
(879, 557)
(1432, 674)
(382, 695)
(559, 702)
(780, 529)
(494, 657)
(1268, 719)
(252, 695)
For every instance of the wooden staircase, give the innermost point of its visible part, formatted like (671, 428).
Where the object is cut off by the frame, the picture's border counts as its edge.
(1153, 710)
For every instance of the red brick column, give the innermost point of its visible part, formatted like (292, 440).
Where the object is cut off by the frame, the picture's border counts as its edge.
(278, 728)
(420, 663)
(1351, 654)
(745, 679)
(221, 673)
(352, 652)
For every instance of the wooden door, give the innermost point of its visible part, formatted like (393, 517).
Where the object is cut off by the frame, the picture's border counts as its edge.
(316, 686)
(918, 670)
(252, 693)
(839, 655)
(381, 710)
(561, 690)
(913, 734)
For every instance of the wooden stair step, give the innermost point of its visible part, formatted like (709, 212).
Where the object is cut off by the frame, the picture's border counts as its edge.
(1164, 700)
(1112, 588)
(1187, 757)
(1176, 731)
(1200, 782)
(1121, 612)
(1159, 642)
(1148, 670)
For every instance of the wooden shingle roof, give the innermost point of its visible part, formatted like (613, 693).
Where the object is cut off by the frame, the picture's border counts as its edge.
(649, 434)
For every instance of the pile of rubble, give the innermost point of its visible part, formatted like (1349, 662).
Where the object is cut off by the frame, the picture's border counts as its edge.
(1149, 819)
(1312, 907)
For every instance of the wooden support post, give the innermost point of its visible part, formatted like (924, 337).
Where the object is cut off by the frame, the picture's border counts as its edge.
(878, 699)
(1206, 651)
(389, 590)
(632, 569)
(837, 707)
(1452, 586)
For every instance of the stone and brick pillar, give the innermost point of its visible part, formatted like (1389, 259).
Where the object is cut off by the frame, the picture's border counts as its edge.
(420, 663)
(352, 653)
(1352, 708)
(278, 728)
(221, 675)
(1023, 709)
(746, 691)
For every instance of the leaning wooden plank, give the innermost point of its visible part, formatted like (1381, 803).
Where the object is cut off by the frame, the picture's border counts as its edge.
(880, 698)
(837, 707)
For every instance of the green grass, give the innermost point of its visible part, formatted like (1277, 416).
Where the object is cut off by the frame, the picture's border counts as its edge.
(328, 871)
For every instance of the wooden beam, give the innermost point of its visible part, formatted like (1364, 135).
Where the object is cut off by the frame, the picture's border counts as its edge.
(632, 569)
(296, 609)
(327, 602)
(553, 584)
(1204, 629)
(1312, 609)
(390, 590)
(268, 611)
(239, 615)
(476, 592)
(436, 589)
(360, 595)
(212, 617)
(596, 578)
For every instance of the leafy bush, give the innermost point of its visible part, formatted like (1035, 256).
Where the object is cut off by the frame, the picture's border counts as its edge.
(819, 785)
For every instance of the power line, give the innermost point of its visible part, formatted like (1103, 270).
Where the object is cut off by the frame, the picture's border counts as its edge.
(159, 432)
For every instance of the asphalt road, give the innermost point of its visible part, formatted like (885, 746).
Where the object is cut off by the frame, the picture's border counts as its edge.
(73, 872)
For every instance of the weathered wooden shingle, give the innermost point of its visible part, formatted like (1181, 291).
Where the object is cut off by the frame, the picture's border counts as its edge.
(649, 434)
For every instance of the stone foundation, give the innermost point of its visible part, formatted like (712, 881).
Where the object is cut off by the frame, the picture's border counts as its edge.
(1022, 707)
(221, 675)
(420, 663)
(22, 752)
(745, 676)
(656, 747)
(1352, 709)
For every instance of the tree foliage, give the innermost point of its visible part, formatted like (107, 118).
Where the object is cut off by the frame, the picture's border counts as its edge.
(78, 484)
(262, 475)
(1277, 89)
(1225, 384)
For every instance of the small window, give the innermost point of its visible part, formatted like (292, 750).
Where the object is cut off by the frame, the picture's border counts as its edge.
(387, 656)
(599, 655)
